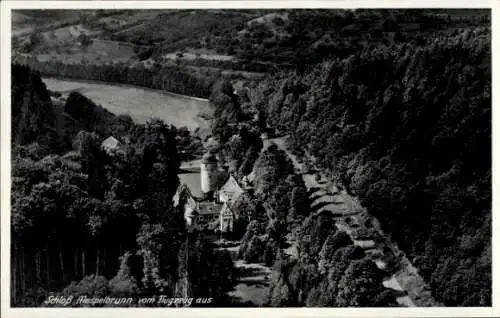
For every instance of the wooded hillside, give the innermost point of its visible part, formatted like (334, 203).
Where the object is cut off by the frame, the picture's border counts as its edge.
(407, 128)
(88, 222)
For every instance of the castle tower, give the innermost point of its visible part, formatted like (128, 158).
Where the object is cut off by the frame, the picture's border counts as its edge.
(208, 173)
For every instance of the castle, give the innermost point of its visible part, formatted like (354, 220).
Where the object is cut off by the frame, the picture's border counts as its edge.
(206, 196)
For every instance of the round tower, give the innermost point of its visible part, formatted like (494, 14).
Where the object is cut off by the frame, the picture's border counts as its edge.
(208, 167)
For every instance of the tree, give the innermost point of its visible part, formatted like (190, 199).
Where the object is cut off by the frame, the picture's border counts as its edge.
(344, 122)
(281, 293)
(152, 246)
(36, 38)
(85, 40)
(271, 169)
(227, 111)
(361, 285)
(255, 250)
(334, 242)
(122, 125)
(33, 117)
(299, 201)
(160, 165)
(124, 284)
(90, 286)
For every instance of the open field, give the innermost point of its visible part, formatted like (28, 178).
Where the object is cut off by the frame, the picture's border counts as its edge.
(194, 55)
(140, 103)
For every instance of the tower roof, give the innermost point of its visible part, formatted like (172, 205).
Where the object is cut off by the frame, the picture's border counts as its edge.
(209, 158)
(231, 190)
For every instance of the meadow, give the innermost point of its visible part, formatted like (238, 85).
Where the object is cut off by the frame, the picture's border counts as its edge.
(140, 103)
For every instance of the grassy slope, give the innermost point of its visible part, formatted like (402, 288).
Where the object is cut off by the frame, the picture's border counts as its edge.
(141, 104)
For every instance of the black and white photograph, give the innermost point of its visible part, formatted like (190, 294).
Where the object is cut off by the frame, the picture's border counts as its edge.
(249, 157)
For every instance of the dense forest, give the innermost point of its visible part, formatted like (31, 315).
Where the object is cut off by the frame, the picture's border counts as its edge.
(393, 106)
(407, 129)
(174, 79)
(329, 270)
(290, 37)
(89, 222)
(302, 37)
(235, 129)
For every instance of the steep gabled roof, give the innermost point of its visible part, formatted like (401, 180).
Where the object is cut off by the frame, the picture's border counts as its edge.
(192, 180)
(183, 190)
(231, 189)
